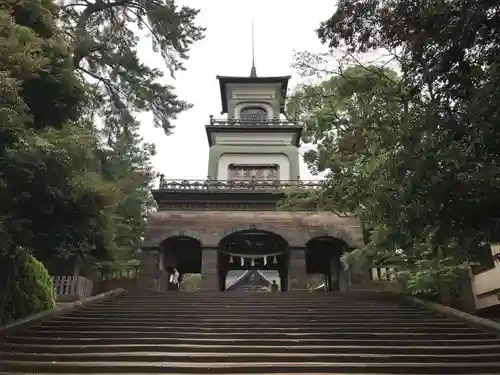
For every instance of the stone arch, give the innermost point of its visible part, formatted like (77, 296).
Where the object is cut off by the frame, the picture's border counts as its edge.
(323, 256)
(259, 237)
(180, 251)
(249, 249)
(335, 241)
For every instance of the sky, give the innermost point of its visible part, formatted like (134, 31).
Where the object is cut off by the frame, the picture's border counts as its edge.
(280, 27)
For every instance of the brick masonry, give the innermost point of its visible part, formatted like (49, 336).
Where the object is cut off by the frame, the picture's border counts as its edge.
(209, 227)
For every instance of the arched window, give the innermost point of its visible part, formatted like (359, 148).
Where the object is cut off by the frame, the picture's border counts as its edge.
(253, 114)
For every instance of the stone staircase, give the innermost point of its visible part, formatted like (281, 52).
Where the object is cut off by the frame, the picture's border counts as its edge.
(250, 333)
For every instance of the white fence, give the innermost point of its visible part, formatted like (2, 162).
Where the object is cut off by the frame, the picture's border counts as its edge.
(382, 273)
(72, 287)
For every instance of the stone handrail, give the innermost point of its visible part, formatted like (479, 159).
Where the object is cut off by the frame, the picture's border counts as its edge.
(187, 185)
(251, 122)
(77, 287)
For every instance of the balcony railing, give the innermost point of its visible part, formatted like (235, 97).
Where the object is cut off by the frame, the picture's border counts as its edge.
(251, 185)
(254, 122)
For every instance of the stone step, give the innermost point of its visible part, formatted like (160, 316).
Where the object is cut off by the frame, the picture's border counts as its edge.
(123, 338)
(175, 305)
(151, 317)
(288, 295)
(251, 310)
(178, 331)
(313, 327)
(312, 321)
(280, 320)
(379, 319)
(263, 314)
(275, 297)
(249, 302)
(197, 357)
(428, 349)
(274, 373)
(251, 333)
(277, 331)
(263, 303)
(228, 367)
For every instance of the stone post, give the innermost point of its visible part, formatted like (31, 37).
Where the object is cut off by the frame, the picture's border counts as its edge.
(335, 272)
(344, 280)
(209, 270)
(297, 272)
(149, 271)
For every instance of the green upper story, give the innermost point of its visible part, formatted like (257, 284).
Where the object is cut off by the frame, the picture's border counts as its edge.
(255, 141)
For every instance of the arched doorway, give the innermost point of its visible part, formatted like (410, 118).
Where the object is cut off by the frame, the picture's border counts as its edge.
(253, 258)
(180, 252)
(323, 257)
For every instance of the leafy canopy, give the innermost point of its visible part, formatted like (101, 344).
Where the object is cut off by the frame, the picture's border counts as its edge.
(413, 154)
(53, 200)
(104, 35)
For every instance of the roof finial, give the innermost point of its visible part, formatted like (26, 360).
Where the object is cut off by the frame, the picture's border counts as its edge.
(253, 71)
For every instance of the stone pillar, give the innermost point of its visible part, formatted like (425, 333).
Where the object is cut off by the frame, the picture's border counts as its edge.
(335, 271)
(209, 270)
(149, 270)
(467, 300)
(344, 280)
(282, 273)
(297, 272)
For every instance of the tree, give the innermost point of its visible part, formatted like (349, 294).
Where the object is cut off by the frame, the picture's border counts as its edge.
(352, 119)
(429, 186)
(104, 37)
(127, 163)
(53, 200)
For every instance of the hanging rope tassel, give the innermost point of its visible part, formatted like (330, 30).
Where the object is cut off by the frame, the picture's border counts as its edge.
(275, 261)
(265, 260)
(231, 260)
(242, 261)
(253, 262)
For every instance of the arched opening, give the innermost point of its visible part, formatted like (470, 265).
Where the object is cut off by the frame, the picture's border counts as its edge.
(323, 260)
(184, 254)
(253, 260)
(253, 113)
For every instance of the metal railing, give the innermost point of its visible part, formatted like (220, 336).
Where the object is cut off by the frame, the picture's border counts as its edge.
(235, 185)
(232, 122)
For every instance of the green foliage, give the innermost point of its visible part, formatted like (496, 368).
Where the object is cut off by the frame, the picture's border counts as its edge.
(191, 282)
(126, 163)
(57, 176)
(29, 288)
(63, 191)
(412, 153)
(58, 170)
(104, 36)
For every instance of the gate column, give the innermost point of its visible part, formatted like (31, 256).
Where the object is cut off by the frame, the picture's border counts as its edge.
(297, 271)
(209, 270)
(149, 271)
